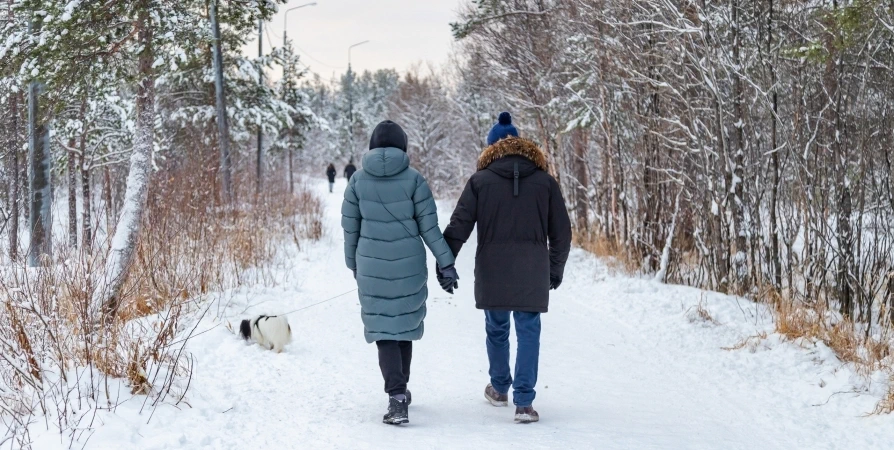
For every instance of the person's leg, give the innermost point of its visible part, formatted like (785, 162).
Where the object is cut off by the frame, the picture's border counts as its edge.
(527, 330)
(497, 327)
(390, 362)
(406, 356)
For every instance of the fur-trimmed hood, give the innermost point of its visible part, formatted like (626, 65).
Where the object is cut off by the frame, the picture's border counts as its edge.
(513, 146)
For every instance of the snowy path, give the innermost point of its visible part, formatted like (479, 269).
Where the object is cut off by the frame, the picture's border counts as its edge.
(621, 367)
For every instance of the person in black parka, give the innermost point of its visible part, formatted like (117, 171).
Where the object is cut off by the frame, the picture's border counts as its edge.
(350, 169)
(331, 173)
(524, 238)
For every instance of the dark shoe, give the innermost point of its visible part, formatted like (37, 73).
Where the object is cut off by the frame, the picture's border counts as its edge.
(526, 414)
(409, 398)
(495, 398)
(397, 412)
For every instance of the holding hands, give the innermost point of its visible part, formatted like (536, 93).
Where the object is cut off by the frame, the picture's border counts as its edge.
(448, 277)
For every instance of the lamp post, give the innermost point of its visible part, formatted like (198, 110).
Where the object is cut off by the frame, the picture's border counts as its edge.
(351, 48)
(260, 155)
(285, 21)
(285, 42)
(351, 95)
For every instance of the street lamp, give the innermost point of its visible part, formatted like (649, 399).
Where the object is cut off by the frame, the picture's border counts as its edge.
(285, 21)
(351, 95)
(351, 88)
(285, 42)
(349, 52)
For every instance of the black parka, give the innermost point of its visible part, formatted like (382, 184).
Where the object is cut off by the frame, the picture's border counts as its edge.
(524, 234)
(350, 169)
(331, 173)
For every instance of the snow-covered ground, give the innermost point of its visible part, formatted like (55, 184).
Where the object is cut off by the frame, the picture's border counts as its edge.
(625, 363)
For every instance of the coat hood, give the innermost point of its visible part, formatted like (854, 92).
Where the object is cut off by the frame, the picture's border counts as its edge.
(388, 134)
(513, 146)
(385, 162)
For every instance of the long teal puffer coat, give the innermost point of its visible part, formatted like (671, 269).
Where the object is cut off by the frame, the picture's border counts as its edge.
(388, 206)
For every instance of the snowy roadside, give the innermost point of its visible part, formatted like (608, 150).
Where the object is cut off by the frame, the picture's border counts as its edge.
(626, 363)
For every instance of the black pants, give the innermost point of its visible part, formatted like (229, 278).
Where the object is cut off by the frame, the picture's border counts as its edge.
(394, 360)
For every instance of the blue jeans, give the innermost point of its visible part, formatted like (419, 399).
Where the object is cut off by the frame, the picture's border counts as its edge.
(527, 331)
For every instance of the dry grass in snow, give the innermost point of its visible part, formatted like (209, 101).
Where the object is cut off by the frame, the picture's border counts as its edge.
(58, 367)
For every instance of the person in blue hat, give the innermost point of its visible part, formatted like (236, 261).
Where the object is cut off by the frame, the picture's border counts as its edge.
(502, 129)
(524, 237)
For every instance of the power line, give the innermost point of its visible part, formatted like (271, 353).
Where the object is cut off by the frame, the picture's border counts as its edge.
(317, 60)
(267, 31)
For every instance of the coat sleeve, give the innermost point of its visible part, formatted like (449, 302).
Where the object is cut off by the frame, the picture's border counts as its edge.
(426, 215)
(559, 231)
(350, 223)
(462, 222)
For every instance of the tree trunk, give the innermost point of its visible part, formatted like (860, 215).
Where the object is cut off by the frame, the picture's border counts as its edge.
(124, 241)
(14, 176)
(624, 235)
(222, 125)
(87, 204)
(72, 197)
(774, 161)
(291, 173)
(73, 184)
(582, 185)
(661, 275)
(107, 199)
(840, 167)
(41, 193)
(737, 138)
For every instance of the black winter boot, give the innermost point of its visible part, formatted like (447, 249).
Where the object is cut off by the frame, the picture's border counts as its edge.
(397, 412)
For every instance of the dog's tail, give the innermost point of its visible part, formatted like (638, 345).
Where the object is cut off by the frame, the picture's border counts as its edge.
(245, 329)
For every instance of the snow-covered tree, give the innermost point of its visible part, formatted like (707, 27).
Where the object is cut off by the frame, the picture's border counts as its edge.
(73, 47)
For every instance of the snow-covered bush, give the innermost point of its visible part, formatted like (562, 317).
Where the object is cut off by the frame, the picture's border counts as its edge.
(57, 367)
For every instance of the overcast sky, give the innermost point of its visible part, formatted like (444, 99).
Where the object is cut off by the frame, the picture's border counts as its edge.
(401, 32)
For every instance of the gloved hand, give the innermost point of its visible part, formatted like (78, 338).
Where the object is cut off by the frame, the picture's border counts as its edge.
(355, 273)
(554, 282)
(447, 278)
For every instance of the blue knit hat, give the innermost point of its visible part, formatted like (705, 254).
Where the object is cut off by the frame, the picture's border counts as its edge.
(502, 129)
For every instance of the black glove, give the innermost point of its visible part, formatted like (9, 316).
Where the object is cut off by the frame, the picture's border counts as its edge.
(554, 282)
(447, 277)
(355, 273)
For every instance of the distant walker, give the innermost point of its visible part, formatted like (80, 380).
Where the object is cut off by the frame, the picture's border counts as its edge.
(350, 169)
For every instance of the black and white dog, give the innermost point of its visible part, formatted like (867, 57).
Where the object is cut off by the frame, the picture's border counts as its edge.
(270, 332)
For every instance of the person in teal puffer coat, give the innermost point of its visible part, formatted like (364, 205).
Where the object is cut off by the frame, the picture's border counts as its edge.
(387, 214)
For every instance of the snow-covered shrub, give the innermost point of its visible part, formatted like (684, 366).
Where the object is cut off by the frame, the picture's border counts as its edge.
(57, 367)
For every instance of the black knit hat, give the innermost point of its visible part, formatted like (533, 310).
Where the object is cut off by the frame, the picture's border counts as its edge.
(388, 134)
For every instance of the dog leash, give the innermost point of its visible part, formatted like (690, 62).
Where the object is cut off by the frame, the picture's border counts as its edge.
(319, 303)
(285, 314)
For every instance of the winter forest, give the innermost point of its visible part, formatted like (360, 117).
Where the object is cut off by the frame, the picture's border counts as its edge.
(150, 171)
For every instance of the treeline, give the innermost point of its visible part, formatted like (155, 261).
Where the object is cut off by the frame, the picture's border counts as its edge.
(741, 146)
(445, 116)
(101, 97)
